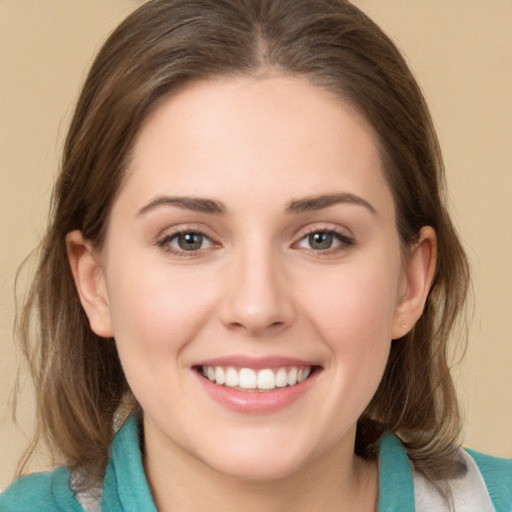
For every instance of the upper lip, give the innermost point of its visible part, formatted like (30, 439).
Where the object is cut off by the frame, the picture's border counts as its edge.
(256, 363)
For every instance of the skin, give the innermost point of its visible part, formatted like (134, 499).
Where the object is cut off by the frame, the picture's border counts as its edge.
(256, 286)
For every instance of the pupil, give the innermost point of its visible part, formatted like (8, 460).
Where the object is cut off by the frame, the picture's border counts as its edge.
(320, 240)
(190, 241)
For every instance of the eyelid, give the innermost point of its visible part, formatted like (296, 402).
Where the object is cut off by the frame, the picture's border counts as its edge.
(163, 240)
(325, 227)
(345, 239)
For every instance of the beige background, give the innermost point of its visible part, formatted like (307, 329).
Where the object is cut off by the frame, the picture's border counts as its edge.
(461, 51)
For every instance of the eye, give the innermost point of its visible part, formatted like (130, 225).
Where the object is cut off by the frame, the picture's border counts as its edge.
(324, 240)
(186, 241)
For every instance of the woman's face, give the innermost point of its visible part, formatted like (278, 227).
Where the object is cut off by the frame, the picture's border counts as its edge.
(252, 246)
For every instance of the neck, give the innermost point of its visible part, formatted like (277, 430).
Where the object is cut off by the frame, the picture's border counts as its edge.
(335, 481)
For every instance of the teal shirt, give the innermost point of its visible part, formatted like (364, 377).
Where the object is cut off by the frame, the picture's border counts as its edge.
(125, 488)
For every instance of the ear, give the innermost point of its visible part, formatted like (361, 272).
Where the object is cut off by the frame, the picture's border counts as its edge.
(418, 275)
(90, 282)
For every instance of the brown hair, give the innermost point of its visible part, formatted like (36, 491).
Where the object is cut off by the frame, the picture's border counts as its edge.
(162, 46)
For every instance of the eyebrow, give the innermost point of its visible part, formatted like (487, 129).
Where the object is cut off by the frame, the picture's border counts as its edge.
(197, 204)
(312, 203)
(324, 201)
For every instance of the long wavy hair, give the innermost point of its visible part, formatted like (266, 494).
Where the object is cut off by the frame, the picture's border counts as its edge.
(161, 47)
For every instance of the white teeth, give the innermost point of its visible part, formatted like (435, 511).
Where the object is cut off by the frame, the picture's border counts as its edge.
(247, 378)
(303, 374)
(266, 379)
(281, 378)
(231, 378)
(292, 377)
(220, 376)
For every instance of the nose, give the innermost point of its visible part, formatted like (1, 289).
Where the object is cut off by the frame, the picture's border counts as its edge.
(258, 298)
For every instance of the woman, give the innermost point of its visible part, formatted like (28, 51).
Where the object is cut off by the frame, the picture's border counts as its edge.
(250, 261)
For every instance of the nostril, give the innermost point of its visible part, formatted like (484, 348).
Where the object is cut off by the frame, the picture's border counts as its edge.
(257, 330)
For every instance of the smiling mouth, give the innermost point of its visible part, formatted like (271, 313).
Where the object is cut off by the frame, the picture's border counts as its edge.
(250, 380)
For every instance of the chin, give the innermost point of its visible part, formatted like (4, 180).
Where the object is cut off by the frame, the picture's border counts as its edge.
(263, 471)
(259, 462)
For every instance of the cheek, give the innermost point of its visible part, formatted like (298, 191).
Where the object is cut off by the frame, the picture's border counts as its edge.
(352, 306)
(155, 309)
(155, 314)
(352, 310)
(353, 315)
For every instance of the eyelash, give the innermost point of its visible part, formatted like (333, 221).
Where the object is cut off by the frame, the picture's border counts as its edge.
(343, 242)
(165, 242)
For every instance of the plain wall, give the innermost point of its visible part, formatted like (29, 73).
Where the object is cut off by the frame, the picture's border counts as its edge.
(461, 52)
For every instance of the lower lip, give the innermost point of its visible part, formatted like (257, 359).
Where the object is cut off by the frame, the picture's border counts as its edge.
(256, 402)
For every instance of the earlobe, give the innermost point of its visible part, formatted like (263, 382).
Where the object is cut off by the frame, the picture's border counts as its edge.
(418, 277)
(90, 282)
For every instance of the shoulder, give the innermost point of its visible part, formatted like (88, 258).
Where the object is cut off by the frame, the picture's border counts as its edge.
(486, 486)
(44, 492)
(496, 472)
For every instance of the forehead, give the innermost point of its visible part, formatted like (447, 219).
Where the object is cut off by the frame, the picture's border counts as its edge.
(248, 135)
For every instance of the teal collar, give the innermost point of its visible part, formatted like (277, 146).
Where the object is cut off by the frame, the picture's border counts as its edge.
(125, 488)
(396, 488)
